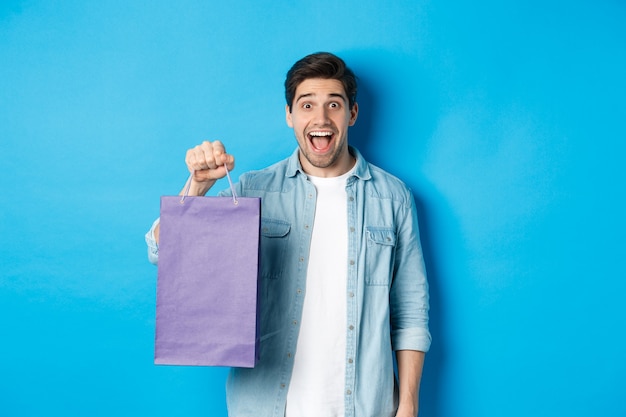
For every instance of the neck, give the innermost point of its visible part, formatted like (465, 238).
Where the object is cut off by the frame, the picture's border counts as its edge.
(336, 169)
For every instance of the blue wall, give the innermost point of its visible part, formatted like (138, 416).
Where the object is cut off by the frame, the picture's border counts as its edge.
(506, 118)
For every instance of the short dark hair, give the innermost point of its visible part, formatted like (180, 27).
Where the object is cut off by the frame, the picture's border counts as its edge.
(320, 65)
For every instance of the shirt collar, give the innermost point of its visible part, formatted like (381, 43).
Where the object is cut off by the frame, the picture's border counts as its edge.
(361, 170)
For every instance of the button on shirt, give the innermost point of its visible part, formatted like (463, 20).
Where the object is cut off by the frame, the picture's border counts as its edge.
(386, 293)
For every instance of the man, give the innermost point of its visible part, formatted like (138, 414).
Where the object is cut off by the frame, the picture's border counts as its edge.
(342, 280)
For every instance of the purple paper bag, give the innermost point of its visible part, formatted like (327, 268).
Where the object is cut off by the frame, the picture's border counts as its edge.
(207, 288)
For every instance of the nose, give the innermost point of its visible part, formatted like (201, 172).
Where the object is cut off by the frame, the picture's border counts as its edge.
(321, 115)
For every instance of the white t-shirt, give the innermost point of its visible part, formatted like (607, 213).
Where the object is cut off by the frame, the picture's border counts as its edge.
(318, 380)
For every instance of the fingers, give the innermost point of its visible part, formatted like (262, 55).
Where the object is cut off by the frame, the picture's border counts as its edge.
(202, 157)
(209, 156)
(221, 157)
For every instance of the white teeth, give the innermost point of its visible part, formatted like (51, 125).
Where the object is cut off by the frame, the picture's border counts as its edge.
(320, 133)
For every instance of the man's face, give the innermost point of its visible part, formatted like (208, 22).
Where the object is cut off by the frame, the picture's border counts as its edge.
(320, 117)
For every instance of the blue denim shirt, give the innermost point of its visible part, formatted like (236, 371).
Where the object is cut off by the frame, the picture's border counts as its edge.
(386, 294)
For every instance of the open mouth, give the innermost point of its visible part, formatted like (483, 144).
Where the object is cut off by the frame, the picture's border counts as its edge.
(320, 139)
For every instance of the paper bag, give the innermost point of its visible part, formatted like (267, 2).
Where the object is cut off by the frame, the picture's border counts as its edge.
(207, 288)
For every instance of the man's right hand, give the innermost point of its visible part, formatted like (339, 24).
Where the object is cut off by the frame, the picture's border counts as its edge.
(207, 162)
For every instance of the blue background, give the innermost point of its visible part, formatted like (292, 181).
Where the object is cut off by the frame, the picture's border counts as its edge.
(507, 119)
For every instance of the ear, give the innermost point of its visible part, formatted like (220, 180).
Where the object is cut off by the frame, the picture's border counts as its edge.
(354, 112)
(288, 116)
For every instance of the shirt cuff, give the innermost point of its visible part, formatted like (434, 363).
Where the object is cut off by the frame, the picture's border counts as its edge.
(417, 338)
(153, 247)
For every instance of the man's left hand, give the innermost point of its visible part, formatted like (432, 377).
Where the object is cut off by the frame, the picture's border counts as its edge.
(406, 411)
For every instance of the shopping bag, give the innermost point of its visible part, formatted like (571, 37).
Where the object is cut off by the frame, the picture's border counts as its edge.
(207, 284)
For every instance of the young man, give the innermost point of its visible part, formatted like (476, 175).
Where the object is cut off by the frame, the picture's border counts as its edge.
(342, 280)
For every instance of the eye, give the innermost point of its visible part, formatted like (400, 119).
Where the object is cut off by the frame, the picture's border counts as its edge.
(334, 105)
(307, 106)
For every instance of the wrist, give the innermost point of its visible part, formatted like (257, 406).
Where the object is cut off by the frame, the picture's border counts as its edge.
(199, 188)
(407, 410)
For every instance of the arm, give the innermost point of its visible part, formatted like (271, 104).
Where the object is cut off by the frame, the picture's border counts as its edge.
(205, 161)
(409, 306)
(410, 365)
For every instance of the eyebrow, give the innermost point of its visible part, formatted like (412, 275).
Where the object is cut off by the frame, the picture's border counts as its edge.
(307, 95)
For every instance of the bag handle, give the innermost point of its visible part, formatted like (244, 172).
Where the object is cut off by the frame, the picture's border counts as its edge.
(230, 182)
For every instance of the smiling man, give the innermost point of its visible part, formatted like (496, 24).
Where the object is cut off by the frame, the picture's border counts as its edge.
(320, 116)
(343, 283)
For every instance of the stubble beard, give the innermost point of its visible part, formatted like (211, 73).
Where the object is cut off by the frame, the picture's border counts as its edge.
(324, 161)
(320, 162)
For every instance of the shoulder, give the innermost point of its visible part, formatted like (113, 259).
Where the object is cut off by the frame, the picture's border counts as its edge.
(268, 178)
(382, 184)
(377, 182)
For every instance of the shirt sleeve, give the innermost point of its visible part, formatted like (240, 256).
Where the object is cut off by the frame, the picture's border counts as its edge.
(409, 299)
(153, 247)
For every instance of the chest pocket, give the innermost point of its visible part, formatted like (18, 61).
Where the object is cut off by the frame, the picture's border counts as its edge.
(381, 245)
(274, 237)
